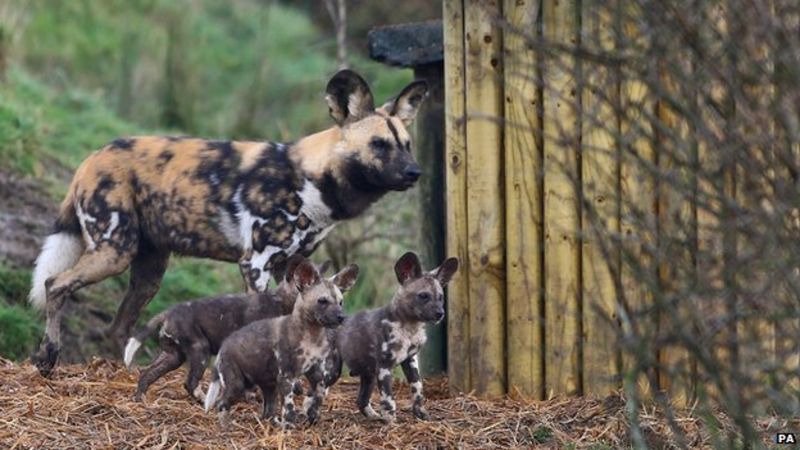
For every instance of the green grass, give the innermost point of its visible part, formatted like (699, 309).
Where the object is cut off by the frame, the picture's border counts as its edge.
(19, 326)
(238, 69)
(40, 124)
(20, 329)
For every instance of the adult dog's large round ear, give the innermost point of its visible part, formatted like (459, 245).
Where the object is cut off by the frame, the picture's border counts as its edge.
(406, 105)
(305, 275)
(408, 267)
(349, 98)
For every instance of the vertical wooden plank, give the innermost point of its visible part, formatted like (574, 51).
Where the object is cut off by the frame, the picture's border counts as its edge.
(677, 230)
(523, 175)
(561, 206)
(599, 164)
(709, 239)
(637, 209)
(458, 355)
(485, 202)
(710, 187)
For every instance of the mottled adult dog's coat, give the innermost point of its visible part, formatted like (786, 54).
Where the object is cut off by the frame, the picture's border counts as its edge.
(273, 354)
(194, 331)
(138, 200)
(371, 343)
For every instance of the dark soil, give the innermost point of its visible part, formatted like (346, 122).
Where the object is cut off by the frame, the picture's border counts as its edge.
(27, 213)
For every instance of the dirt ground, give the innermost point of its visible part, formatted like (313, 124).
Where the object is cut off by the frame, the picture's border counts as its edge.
(90, 406)
(26, 215)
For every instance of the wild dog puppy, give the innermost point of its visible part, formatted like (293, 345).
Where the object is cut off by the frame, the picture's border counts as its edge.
(371, 343)
(193, 331)
(138, 200)
(274, 353)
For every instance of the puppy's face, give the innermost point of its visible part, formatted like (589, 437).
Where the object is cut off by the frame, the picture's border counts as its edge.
(420, 296)
(320, 301)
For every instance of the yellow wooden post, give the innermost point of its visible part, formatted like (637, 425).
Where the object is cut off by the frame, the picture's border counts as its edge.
(485, 199)
(523, 167)
(709, 231)
(637, 212)
(677, 226)
(458, 353)
(561, 207)
(599, 159)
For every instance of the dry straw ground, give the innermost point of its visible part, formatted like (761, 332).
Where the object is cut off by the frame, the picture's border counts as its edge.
(89, 406)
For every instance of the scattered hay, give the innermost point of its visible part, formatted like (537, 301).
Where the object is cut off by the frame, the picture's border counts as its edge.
(90, 406)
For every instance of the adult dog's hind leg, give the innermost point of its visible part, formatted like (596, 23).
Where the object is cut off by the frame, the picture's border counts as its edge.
(93, 266)
(147, 271)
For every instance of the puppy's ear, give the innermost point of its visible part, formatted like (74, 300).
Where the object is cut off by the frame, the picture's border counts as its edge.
(346, 278)
(406, 105)
(407, 267)
(291, 265)
(445, 272)
(305, 275)
(324, 267)
(349, 98)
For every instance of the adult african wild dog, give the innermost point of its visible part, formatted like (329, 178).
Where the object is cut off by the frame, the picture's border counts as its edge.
(137, 200)
(193, 331)
(371, 343)
(273, 354)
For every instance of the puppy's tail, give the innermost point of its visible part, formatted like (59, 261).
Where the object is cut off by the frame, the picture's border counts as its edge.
(214, 388)
(135, 342)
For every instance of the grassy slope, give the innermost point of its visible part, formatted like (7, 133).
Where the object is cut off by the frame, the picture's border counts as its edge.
(248, 72)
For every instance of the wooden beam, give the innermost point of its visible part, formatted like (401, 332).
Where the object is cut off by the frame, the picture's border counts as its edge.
(637, 218)
(523, 175)
(600, 178)
(458, 313)
(485, 199)
(561, 205)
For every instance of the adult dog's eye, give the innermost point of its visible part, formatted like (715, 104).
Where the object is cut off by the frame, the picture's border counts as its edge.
(424, 296)
(323, 301)
(380, 145)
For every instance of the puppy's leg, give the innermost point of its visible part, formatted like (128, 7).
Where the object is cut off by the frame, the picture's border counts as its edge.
(198, 355)
(364, 393)
(411, 371)
(286, 390)
(167, 361)
(388, 405)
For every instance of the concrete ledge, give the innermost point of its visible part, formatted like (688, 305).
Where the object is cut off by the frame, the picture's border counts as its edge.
(407, 45)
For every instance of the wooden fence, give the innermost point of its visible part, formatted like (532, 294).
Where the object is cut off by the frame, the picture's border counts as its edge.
(548, 153)
(532, 309)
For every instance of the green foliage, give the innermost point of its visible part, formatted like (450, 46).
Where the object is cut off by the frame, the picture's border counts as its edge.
(40, 124)
(190, 278)
(20, 328)
(541, 435)
(235, 69)
(14, 284)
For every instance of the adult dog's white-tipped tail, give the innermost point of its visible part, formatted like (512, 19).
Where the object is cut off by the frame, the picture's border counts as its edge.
(59, 253)
(211, 395)
(130, 351)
